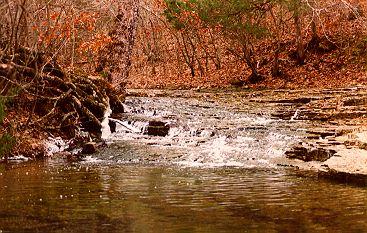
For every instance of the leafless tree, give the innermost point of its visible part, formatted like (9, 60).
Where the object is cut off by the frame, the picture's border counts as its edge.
(116, 59)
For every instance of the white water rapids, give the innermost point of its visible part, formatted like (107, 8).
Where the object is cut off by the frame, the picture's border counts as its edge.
(202, 133)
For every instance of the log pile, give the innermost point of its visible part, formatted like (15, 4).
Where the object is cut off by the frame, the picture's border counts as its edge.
(56, 100)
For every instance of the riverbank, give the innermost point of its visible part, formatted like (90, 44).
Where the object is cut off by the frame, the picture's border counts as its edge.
(38, 104)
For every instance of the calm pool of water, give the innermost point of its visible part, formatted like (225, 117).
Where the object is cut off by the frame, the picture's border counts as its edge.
(57, 197)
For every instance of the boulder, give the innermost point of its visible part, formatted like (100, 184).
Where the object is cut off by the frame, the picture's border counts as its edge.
(310, 154)
(157, 128)
(112, 125)
(89, 148)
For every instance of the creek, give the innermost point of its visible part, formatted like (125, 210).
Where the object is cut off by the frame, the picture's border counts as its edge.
(217, 170)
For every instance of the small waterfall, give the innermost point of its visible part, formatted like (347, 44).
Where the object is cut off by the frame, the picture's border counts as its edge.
(295, 115)
(106, 131)
(127, 127)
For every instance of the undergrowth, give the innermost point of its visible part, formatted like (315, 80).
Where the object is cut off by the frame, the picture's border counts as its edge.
(7, 141)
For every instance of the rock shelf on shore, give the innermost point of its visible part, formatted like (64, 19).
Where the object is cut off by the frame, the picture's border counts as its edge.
(332, 122)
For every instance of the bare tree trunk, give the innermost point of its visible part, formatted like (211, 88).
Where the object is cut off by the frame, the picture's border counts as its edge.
(277, 35)
(115, 60)
(249, 58)
(123, 35)
(276, 69)
(299, 43)
(314, 43)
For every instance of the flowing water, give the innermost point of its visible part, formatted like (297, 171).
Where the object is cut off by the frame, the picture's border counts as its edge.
(215, 171)
(204, 132)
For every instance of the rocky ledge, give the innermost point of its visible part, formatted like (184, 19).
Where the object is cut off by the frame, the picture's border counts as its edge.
(340, 158)
(334, 144)
(332, 124)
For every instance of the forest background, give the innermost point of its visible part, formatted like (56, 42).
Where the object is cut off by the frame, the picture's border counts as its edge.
(269, 44)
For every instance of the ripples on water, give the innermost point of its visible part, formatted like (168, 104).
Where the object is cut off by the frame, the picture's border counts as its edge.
(80, 198)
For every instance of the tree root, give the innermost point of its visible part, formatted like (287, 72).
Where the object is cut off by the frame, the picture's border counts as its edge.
(64, 101)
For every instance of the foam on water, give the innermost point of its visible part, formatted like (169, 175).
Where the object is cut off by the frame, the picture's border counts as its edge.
(55, 145)
(18, 158)
(90, 159)
(106, 133)
(241, 151)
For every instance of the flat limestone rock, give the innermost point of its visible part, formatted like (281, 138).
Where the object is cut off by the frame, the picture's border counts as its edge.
(362, 136)
(349, 161)
(348, 164)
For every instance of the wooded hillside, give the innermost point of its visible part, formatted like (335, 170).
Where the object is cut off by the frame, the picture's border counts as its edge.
(271, 43)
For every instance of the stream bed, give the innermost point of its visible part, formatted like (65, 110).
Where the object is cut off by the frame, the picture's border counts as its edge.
(217, 169)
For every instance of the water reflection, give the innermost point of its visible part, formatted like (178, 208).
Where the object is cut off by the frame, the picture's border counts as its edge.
(45, 197)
